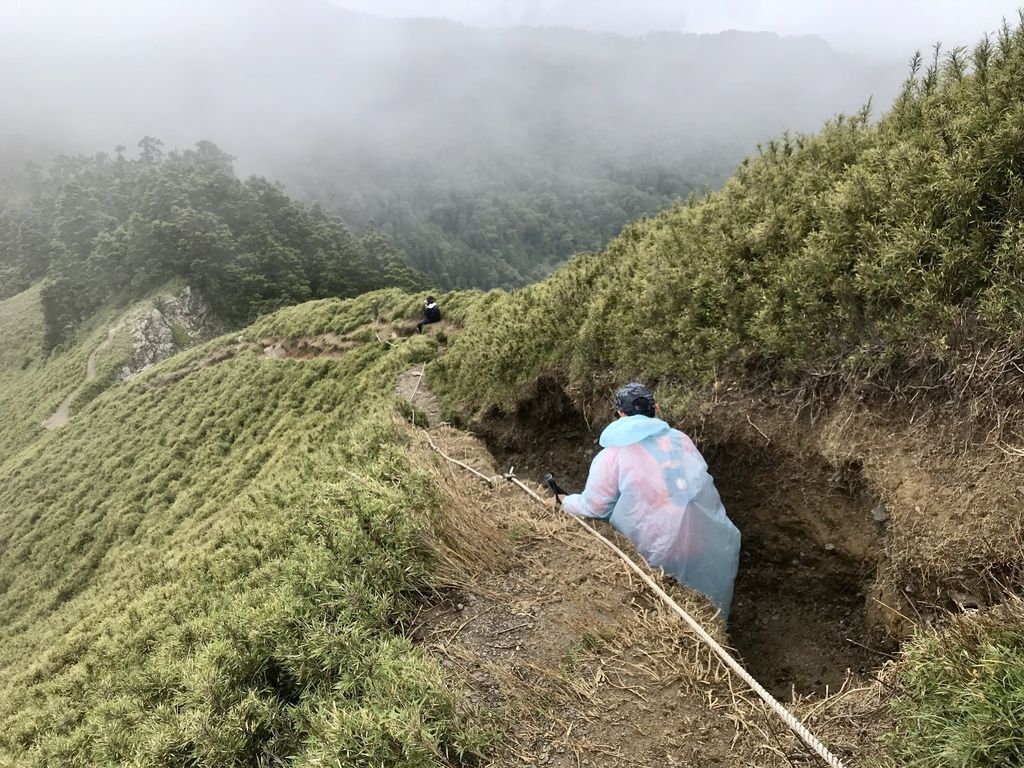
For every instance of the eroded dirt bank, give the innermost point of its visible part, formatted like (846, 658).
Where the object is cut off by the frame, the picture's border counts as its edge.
(804, 614)
(548, 628)
(855, 527)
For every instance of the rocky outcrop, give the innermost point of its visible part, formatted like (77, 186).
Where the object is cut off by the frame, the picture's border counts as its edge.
(174, 323)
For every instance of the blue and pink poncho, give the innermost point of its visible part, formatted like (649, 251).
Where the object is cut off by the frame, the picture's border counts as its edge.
(651, 483)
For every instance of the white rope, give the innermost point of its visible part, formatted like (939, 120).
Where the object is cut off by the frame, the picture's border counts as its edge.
(481, 475)
(786, 716)
(418, 382)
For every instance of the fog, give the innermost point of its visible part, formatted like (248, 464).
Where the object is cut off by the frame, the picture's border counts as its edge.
(387, 120)
(885, 28)
(269, 80)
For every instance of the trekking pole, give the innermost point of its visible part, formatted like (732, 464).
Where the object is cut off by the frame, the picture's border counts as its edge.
(794, 724)
(784, 714)
(549, 481)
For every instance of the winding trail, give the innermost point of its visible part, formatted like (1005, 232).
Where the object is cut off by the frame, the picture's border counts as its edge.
(63, 412)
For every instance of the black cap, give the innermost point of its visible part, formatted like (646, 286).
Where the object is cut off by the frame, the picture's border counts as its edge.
(635, 399)
(430, 299)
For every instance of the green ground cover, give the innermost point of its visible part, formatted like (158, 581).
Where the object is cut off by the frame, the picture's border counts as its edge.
(217, 571)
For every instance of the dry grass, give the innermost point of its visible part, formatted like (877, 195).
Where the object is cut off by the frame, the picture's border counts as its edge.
(554, 698)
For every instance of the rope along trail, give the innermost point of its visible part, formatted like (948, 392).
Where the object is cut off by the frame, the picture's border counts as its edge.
(784, 714)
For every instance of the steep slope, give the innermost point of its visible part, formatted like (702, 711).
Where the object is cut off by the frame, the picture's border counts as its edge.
(42, 389)
(230, 560)
(211, 565)
(850, 300)
(244, 556)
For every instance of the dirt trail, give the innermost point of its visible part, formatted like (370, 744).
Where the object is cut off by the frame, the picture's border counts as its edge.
(413, 389)
(582, 664)
(62, 414)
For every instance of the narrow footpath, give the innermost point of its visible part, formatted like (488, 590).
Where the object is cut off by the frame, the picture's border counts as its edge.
(583, 664)
(63, 412)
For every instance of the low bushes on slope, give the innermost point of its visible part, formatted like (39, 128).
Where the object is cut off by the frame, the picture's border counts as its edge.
(836, 259)
(215, 570)
(961, 700)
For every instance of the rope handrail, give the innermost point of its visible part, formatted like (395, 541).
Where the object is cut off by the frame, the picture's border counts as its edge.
(784, 714)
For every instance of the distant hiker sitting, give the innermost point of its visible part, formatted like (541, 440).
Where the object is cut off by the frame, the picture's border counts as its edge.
(651, 483)
(431, 314)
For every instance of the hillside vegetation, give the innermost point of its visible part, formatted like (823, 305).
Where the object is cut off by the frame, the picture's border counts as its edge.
(877, 261)
(857, 256)
(34, 382)
(213, 565)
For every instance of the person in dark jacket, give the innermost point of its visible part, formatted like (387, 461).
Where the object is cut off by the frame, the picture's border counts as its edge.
(431, 314)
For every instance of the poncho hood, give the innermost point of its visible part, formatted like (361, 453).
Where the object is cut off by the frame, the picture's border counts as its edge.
(632, 429)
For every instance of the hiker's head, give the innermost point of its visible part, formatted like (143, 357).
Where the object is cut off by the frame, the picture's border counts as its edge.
(430, 299)
(635, 399)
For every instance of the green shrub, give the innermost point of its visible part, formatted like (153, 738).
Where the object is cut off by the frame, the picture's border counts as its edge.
(961, 696)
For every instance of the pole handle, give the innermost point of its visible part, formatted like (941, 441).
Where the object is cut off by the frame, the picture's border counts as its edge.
(549, 481)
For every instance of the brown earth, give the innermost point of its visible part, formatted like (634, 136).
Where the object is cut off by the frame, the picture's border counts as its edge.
(857, 526)
(811, 548)
(581, 663)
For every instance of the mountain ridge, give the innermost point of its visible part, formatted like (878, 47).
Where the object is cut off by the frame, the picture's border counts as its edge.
(440, 136)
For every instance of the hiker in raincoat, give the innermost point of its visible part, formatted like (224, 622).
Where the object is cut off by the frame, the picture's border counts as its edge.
(651, 483)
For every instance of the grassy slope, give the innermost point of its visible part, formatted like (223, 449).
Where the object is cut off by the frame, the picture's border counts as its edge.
(33, 384)
(215, 571)
(882, 259)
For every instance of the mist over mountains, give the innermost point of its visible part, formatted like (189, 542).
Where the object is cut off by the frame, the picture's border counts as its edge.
(487, 156)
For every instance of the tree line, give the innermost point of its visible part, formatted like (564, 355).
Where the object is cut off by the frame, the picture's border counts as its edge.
(491, 221)
(103, 228)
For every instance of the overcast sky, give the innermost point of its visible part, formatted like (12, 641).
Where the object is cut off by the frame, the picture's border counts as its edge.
(879, 27)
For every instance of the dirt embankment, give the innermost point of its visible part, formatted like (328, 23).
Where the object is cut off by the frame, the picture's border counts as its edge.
(855, 528)
(585, 667)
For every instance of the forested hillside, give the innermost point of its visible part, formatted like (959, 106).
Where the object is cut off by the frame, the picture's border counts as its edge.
(487, 156)
(100, 228)
(253, 553)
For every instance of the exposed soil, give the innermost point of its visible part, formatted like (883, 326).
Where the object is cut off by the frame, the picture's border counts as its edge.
(62, 414)
(412, 388)
(548, 629)
(584, 667)
(811, 548)
(809, 560)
